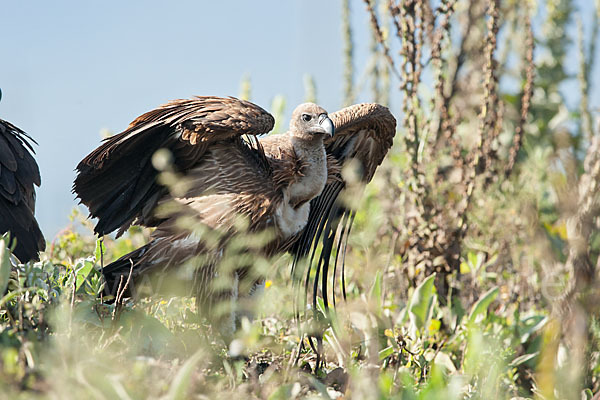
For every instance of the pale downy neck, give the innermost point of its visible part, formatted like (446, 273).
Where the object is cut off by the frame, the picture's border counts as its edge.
(312, 153)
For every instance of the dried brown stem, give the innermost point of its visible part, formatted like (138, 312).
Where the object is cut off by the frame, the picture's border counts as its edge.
(443, 103)
(525, 100)
(379, 36)
(487, 115)
(348, 51)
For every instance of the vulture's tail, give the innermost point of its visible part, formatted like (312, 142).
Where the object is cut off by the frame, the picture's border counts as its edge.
(136, 275)
(122, 275)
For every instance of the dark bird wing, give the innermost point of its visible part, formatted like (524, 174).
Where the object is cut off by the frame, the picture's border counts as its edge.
(118, 182)
(18, 174)
(363, 134)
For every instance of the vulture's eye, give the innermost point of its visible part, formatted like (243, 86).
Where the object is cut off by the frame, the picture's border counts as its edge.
(306, 117)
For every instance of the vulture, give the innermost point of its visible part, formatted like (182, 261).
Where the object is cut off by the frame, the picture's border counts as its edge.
(18, 174)
(202, 172)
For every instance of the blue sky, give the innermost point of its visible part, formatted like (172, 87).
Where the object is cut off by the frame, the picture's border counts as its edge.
(70, 69)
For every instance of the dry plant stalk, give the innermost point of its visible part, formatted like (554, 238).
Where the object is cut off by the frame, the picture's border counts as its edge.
(379, 37)
(488, 118)
(440, 193)
(525, 99)
(348, 51)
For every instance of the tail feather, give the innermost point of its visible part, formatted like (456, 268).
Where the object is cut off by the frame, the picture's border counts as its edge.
(121, 275)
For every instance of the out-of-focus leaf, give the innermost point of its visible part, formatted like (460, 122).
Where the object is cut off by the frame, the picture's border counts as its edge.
(100, 249)
(481, 306)
(318, 386)
(148, 332)
(385, 353)
(4, 264)
(421, 301)
(181, 383)
(434, 326)
(14, 293)
(531, 325)
(454, 314)
(87, 313)
(475, 260)
(464, 268)
(375, 293)
(283, 392)
(443, 360)
(82, 270)
(522, 359)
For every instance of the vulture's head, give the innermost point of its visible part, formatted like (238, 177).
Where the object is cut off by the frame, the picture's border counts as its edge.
(309, 121)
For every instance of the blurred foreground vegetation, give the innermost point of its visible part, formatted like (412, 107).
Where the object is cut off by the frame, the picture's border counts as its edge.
(472, 267)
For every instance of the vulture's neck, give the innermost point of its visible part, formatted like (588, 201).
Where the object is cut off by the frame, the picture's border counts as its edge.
(291, 215)
(312, 153)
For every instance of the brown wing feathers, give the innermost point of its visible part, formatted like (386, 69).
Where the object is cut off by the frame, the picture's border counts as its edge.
(117, 181)
(365, 132)
(18, 174)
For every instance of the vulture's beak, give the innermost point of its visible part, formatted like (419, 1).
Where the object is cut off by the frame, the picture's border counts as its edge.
(326, 124)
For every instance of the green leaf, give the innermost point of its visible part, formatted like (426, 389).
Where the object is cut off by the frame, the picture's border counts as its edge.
(530, 325)
(284, 392)
(475, 260)
(181, 383)
(434, 326)
(100, 249)
(523, 359)
(444, 361)
(481, 306)
(385, 353)
(376, 288)
(82, 270)
(318, 386)
(4, 264)
(464, 268)
(148, 333)
(14, 293)
(375, 293)
(421, 302)
(85, 313)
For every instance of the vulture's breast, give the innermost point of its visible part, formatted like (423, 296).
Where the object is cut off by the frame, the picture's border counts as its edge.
(292, 214)
(314, 176)
(291, 220)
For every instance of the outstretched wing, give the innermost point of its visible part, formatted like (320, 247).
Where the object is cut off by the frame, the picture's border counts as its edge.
(118, 182)
(18, 174)
(363, 133)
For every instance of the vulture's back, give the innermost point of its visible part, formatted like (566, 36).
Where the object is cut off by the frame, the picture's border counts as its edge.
(19, 173)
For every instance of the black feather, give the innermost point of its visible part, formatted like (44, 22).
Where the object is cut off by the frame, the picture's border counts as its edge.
(18, 175)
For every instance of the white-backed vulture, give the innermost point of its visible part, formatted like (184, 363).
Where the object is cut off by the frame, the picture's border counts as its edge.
(287, 183)
(18, 174)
